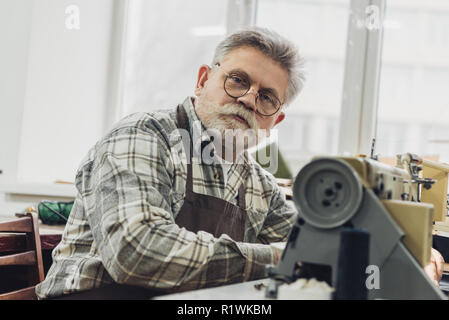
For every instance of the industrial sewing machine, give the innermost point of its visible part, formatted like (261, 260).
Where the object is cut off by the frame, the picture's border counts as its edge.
(394, 209)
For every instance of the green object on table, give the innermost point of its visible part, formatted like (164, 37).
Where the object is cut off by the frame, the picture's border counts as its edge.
(54, 212)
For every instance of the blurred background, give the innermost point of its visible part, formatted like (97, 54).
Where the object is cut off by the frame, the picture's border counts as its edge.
(70, 69)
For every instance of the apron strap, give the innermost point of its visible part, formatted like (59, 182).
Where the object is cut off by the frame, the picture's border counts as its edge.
(242, 199)
(183, 123)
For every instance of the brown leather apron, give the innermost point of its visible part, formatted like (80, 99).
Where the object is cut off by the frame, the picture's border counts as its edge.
(198, 213)
(208, 213)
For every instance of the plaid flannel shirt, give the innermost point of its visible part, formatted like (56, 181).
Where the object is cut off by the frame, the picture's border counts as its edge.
(129, 191)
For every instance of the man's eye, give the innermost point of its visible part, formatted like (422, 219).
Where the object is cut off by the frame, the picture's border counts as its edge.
(239, 81)
(267, 98)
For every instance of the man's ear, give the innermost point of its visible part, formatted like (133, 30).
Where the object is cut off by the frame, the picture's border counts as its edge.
(280, 117)
(203, 76)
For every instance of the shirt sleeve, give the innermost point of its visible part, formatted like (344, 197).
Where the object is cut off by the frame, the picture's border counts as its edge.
(133, 226)
(280, 217)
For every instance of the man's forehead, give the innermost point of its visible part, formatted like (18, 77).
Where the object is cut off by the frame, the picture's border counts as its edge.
(244, 55)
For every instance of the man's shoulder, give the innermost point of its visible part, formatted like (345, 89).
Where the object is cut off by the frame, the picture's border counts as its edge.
(160, 121)
(140, 126)
(158, 124)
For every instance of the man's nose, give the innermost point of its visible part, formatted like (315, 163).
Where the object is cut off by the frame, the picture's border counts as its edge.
(249, 99)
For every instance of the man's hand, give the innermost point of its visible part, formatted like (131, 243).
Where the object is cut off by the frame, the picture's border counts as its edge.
(277, 248)
(435, 268)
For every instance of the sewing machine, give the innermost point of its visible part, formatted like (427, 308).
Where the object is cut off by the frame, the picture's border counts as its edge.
(394, 206)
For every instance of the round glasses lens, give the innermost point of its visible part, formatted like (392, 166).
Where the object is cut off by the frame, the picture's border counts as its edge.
(236, 86)
(267, 103)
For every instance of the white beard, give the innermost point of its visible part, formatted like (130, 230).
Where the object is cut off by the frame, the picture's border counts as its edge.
(236, 136)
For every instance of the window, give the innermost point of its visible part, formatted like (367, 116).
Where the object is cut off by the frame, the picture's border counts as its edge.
(319, 29)
(65, 94)
(413, 114)
(164, 51)
(167, 42)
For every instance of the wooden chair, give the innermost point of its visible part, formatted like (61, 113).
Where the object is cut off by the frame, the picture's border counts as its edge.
(31, 257)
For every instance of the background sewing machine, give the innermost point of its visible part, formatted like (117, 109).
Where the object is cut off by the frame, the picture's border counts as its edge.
(389, 208)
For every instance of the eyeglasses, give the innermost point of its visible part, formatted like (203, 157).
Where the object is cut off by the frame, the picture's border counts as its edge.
(237, 85)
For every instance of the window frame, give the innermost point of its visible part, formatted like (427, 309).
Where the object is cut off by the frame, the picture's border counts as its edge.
(358, 115)
(358, 118)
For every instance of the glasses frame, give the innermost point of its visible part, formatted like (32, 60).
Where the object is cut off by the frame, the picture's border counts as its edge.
(257, 96)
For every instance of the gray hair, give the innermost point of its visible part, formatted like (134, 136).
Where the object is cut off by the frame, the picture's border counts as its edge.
(273, 46)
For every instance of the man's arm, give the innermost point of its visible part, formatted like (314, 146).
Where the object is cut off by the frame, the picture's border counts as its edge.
(134, 229)
(435, 268)
(280, 218)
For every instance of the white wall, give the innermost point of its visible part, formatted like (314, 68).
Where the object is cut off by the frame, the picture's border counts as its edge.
(15, 27)
(53, 91)
(66, 89)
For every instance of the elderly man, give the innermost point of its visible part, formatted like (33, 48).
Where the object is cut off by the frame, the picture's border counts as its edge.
(158, 211)
(150, 218)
